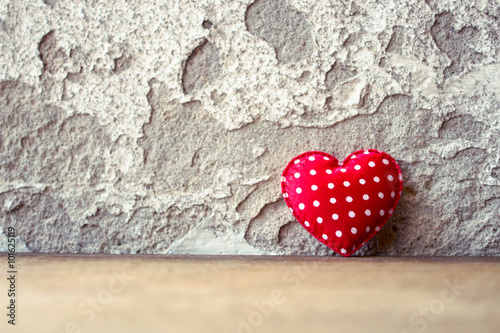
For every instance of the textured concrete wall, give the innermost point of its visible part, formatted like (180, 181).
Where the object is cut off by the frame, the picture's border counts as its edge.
(164, 126)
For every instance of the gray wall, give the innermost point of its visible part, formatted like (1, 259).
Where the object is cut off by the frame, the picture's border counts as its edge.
(164, 126)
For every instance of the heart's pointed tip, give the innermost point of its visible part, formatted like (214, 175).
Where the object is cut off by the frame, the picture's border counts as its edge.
(345, 255)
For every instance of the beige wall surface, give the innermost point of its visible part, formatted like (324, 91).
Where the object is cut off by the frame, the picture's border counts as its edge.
(136, 127)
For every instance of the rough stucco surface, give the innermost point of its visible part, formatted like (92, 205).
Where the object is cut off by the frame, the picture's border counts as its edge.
(164, 126)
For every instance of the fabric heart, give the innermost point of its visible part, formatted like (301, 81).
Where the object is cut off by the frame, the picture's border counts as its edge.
(343, 205)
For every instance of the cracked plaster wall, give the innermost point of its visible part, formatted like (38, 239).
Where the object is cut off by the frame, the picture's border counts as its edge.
(163, 126)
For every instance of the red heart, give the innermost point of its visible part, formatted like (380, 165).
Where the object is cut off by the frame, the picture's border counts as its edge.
(342, 205)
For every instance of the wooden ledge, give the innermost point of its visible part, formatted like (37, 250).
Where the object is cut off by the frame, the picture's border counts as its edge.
(101, 293)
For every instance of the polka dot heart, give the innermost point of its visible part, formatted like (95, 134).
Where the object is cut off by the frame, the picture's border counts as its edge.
(343, 205)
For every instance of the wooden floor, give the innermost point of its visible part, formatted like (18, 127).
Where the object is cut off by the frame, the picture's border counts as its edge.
(79, 293)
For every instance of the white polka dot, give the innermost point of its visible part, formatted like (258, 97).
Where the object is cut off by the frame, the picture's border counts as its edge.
(368, 212)
(362, 181)
(377, 228)
(328, 171)
(367, 229)
(380, 195)
(330, 185)
(366, 197)
(301, 206)
(312, 172)
(335, 217)
(283, 179)
(346, 183)
(319, 220)
(354, 230)
(348, 199)
(371, 164)
(366, 152)
(314, 187)
(306, 223)
(325, 237)
(311, 158)
(296, 161)
(376, 179)
(298, 190)
(382, 212)
(338, 233)
(326, 158)
(385, 161)
(290, 208)
(316, 203)
(357, 167)
(400, 177)
(285, 195)
(353, 156)
(393, 194)
(391, 211)
(390, 178)
(343, 170)
(343, 251)
(297, 175)
(333, 200)
(351, 214)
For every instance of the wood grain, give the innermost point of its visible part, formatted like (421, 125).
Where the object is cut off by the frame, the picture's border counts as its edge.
(82, 293)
